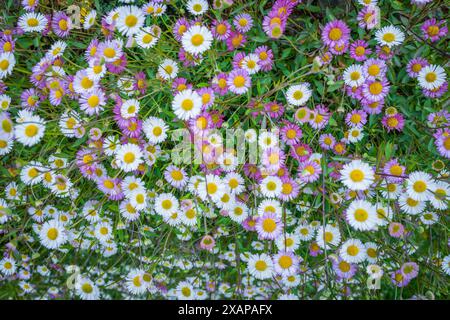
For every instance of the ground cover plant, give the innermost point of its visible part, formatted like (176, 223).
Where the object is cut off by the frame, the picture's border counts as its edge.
(228, 149)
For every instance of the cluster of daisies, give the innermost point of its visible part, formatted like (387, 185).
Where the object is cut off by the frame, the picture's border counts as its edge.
(93, 204)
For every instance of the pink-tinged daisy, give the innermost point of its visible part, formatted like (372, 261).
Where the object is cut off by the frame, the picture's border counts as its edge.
(327, 141)
(320, 118)
(272, 159)
(339, 148)
(92, 102)
(201, 124)
(289, 189)
(442, 142)
(301, 151)
(356, 118)
(394, 171)
(238, 59)
(437, 92)
(238, 81)
(82, 83)
(221, 30)
(219, 83)
(235, 41)
(132, 128)
(376, 90)
(372, 107)
(207, 243)
(274, 109)
(274, 25)
(265, 56)
(249, 223)
(140, 82)
(180, 27)
(30, 99)
(314, 249)
(302, 115)
(30, 5)
(7, 44)
(269, 226)
(110, 50)
(335, 33)
(180, 84)
(309, 171)
(374, 69)
(393, 122)
(291, 134)
(434, 30)
(339, 49)
(343, 269)
(243, 22)
(359, 50)
(61, 24)
(176, 177)
(399, 279)
(396, 230)
(368, 17)
(415, 65)
(207, 95)
(384, 52)
(92, 50)
(286, 263)
(110, 187)
(354, 92)
(252, 171)
(410, 270)
(117, 66)
(86, 160)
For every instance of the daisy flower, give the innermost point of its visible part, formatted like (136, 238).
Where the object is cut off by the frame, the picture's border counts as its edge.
(353, 251)
(269, 226)
(52, 234)
(260, 266)
(197, 7)
(32, 22)
(197, 39)
(389, 36)
(187, 104)
(353, 76)
(361, 215)
(7, 63)
(431, 77)
(357, 175)
(238, 81)
(130, 20)
(177, 177)
(128, 157)
(297, 95)
(168, 69)
(335, 33)
(419, 186)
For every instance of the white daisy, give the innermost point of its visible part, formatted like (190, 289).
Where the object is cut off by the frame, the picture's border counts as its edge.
(128, 157)
(7, 63)
(389, 36)
(52, 234)
(146, 37)
(357, 175)
(7, 266)
(271, 186)
(197, 39)
(155, 129)
(187, 104)
(197, 7)
(130, 108)
(419, 185)
(353, 76)
(431, 77)
(168, 69)
(361, 215)
(353, 251)
(297, 95)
